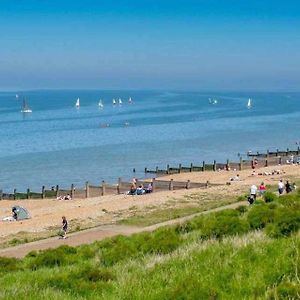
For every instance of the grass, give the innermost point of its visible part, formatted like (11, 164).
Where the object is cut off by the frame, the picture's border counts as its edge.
(231, 254)
(188, 205)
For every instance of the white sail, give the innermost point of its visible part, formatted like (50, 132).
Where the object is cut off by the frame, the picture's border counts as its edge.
(114, 102)
(17, 96)
(249, 103)
(129, 100)
(26, 108)
(120, 101)
(77, 104)
(100, 104)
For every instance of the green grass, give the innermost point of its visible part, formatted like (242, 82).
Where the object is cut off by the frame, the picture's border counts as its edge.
(251, 253)
(188, 205)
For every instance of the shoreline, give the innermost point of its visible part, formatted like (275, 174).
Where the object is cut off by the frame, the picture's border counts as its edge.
(108, 209)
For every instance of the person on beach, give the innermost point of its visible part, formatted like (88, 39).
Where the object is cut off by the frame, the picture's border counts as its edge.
(280, 187)
(64, 226)
(149, 188)
(288, 187)
(262, 189)
(140, 190)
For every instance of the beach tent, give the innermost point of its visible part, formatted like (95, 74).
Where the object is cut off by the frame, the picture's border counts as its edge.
(22, 213)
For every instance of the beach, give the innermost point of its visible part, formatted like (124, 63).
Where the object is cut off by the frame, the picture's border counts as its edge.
(85, 213)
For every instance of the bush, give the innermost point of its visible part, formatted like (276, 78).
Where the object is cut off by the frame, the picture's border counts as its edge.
(286, 222)
(260, 215)
(53, 257)
(9, 264)
(242, 209)
(222, 223)
(269, 197)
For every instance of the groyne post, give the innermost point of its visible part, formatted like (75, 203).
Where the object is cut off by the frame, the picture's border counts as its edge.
(168, 169)
(179, 168)
(156, 169)
(280, 160)
(191, 168)
(203, 166)
(43, 192)
(15, 194)
(171, 185)
(227, 165)
(153, 184)
(103, 188)
(119, 185)
(87, 190)
(28, 193)
(188, 184)
(215, 166)
(267, 158)
(57, 191)
(72, 191)
(1, 195)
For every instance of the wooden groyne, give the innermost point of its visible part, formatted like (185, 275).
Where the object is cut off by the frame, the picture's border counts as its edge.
(89, 191)
(254, 160)
(257, 160)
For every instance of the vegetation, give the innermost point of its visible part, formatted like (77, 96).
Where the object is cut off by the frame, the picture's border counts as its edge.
(250, 253)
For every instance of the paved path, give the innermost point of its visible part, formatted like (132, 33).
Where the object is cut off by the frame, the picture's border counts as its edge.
(98, 233)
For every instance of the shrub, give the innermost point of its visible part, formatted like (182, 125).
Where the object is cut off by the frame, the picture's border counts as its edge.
(223, 223)
(162, 241)
(269, 197)
(53, 257)
(242, 209)
(9, 264)
(286, 221)
(260, 215)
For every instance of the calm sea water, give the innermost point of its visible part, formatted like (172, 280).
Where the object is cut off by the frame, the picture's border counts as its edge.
(59, 144)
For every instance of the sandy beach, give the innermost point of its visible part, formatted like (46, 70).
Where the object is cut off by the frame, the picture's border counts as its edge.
(46, 214)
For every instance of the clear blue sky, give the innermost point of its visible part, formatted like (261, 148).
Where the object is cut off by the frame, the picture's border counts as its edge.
(212, 44)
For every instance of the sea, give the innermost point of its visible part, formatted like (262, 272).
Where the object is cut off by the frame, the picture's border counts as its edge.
(60, 144)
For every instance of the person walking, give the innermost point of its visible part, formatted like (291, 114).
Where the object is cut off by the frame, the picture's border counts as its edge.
(253, 191)
(64, 226)
(280, 187)
(288, 187)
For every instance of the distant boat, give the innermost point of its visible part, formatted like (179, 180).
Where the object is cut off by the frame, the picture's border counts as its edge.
(120, 101)
(114, 102)
(77, 104)
(249, 103)
(213, 101)
(25, 108)
(100, 104)
(130, 100)
(17, 96)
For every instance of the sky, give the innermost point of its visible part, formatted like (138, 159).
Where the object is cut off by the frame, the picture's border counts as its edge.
(198, 45)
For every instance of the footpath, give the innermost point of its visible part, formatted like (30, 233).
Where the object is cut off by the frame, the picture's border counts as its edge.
(99, 233)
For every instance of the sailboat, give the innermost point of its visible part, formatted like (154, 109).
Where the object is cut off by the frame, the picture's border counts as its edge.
(130, 100)
(120, 101)
(100, 104)
(249, 103)
(25, 108)
(114, 102)
(77, 104)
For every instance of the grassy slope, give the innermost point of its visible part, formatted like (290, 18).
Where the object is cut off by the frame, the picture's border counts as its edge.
(218, 256)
